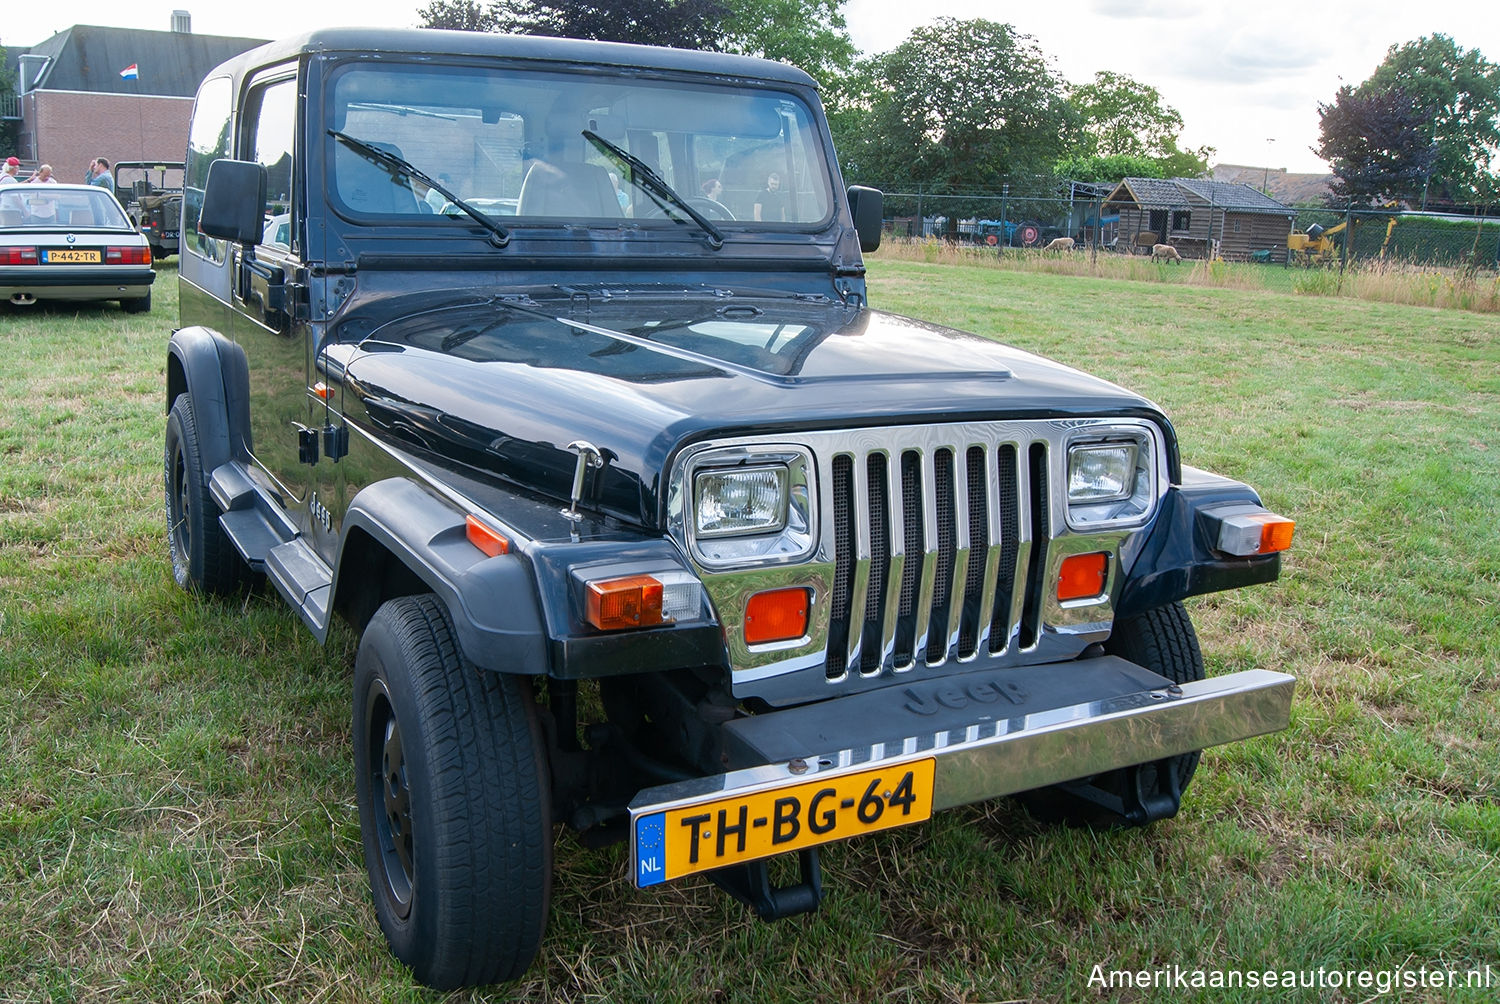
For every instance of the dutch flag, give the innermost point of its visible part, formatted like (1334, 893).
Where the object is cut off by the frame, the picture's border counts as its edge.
(131, 72)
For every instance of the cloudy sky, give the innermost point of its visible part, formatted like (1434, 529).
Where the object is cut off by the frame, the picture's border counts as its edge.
(1247, 78)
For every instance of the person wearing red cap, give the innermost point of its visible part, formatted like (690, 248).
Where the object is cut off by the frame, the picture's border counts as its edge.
(8, 172)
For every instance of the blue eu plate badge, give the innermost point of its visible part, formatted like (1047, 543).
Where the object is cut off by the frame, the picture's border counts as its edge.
(651, 849)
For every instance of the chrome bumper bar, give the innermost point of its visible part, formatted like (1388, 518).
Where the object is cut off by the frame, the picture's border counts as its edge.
(1003, 756)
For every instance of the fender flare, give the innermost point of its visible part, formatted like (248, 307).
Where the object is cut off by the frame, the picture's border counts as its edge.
(214, 373)
(492, 602)
(1178, 559)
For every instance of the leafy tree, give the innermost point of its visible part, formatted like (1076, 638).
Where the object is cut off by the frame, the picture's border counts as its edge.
(7, 90)
(811, 34)
(1101, 170)
(1120, 116)
(960, 106)
(1377, 144)
(687, 24)
(461, 15)
(1461, 90)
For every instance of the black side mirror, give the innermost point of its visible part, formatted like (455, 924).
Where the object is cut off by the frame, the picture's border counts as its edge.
(234, 201)
(867, 206)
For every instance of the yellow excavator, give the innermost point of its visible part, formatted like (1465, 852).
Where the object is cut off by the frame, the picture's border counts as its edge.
(1316, 245)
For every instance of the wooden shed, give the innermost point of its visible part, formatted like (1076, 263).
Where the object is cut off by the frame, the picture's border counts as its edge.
(1202, 219)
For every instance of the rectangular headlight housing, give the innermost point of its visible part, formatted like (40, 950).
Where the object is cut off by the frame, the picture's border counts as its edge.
(1101, 472)
(740, 501)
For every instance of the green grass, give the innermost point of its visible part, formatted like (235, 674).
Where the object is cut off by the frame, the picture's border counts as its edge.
(176, 803)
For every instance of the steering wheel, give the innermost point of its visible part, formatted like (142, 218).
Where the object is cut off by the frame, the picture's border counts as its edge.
(708, 207)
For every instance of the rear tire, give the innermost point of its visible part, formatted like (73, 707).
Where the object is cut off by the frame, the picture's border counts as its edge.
(1162, 640)
(141, 305)
(203, 557)
(454, 802)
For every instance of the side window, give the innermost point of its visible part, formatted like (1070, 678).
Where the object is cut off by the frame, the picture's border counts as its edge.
(271, 129)
(208, 141)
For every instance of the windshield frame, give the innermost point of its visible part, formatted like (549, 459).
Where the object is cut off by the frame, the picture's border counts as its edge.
(803, 129)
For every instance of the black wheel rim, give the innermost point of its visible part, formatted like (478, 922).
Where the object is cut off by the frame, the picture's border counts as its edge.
(182, 532)
(390, 794)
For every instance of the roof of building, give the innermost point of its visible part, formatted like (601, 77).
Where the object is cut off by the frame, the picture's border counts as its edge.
(92, 58)
(1288, 187)
(1170, 192)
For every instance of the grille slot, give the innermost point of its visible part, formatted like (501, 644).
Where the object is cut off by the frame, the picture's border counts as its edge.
(872, 649)
(843, 575)
(979, 545)
(945, 562)
(911, 524)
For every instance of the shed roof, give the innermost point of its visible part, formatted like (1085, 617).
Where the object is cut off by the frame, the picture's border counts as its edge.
(90, 58)
(1170, 192)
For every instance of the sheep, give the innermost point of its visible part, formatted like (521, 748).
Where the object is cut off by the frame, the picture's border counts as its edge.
(1060, 244)
(1166, 252)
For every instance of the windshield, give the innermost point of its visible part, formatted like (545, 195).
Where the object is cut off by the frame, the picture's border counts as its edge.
(148, 179)
(24, 206)
(513, 144)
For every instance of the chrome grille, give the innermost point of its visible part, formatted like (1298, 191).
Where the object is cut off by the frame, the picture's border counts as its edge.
(947, 566)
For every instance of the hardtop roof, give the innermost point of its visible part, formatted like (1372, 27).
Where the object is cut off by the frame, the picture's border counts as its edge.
(427, 41)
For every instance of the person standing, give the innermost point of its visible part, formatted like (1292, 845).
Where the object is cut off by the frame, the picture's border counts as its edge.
(42, 176)
(771, 204)
(99, 174)
(8, 172)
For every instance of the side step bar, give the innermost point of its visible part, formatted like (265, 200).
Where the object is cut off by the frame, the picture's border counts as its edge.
(271, 544)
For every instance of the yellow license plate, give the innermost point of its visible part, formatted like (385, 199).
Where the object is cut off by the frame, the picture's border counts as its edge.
(69, 256)
(726, 831)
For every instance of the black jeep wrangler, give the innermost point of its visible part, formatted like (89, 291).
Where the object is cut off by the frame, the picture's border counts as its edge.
(549, 366)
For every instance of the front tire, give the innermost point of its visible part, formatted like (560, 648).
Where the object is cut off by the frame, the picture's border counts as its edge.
(203, 557)
(454, 802)
(1162, 640)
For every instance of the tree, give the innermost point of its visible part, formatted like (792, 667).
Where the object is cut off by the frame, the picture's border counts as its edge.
(1120, 116)
(7, 92)
(811, 34)
(960, 106)
(1461, 91)
(687, 24)
(461, 15)
(1377, 144)
(1100, 170)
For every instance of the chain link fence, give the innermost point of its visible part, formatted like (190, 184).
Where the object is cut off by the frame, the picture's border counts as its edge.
(1293, 240)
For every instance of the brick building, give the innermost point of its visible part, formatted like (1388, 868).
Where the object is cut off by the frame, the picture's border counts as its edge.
(120, 93)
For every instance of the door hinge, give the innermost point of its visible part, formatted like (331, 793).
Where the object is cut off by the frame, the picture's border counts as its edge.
(307, 445)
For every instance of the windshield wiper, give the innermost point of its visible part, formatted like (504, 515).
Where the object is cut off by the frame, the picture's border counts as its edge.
(399, 167)
(651, 181)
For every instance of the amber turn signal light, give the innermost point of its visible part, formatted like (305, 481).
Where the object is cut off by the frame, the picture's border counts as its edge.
(629, 602)
(488, 540)
(1256, 532)
(1082, 576)
(777, 615)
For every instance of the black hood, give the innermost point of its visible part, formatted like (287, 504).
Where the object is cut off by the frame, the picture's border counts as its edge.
(505, 387)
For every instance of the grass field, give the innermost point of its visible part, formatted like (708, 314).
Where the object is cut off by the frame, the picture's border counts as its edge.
(1393, 280)
(176, 801)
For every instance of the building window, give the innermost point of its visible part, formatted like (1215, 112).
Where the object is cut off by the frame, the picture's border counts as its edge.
(1182, 219)
(1236, 226)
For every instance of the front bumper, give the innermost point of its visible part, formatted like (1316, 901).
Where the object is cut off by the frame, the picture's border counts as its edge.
(986, 735)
